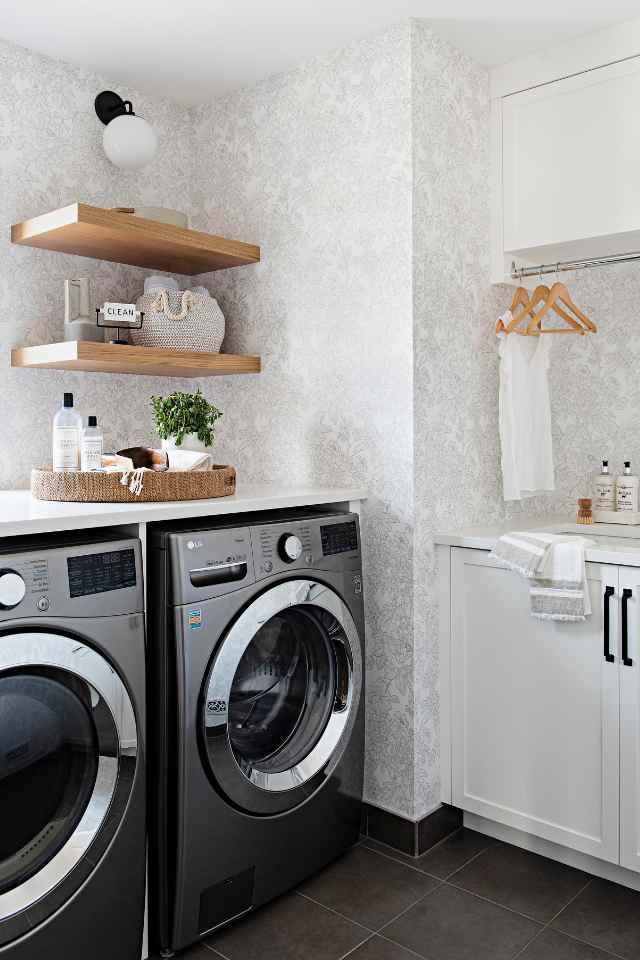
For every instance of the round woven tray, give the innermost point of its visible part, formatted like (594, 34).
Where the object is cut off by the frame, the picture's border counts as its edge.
(157, 486)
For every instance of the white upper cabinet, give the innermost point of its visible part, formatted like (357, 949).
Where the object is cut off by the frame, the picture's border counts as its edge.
(571, 162)
(567, 160)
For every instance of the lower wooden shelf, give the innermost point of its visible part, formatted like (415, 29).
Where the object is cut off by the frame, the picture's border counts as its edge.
(117, 358)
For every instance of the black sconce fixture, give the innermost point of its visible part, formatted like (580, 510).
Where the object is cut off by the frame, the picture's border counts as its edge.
(129, 141)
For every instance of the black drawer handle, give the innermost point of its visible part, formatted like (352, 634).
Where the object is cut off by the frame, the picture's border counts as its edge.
(626, 594)
(608, 593)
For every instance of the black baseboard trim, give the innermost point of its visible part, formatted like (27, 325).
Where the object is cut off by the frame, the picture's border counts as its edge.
(409, 836)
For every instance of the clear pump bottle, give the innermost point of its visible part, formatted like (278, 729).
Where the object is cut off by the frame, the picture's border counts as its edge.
(627, 490)
(67, 428)
(91, 449)
(604, 494)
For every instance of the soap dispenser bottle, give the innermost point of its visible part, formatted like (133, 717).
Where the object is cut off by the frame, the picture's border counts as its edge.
(604, 494)
(627, 490)
(67, 428)
(91, 446)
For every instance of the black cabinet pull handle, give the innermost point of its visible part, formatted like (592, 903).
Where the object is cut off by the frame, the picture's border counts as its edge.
(626, 594)
(608, 593)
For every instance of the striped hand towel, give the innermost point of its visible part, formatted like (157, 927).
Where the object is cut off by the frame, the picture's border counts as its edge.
(555, 566)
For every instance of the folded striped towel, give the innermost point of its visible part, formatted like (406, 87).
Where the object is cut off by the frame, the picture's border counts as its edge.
(555, 567)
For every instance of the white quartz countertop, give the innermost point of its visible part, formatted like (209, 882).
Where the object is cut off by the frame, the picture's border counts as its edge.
(614, 543)
(21, 514)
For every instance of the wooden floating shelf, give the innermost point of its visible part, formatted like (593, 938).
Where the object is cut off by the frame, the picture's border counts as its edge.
(123, 238)
(116, 358)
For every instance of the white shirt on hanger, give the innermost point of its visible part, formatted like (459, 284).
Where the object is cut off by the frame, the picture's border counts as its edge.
(525, 415)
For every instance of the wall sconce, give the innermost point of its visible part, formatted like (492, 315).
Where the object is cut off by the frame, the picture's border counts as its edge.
(129, 141)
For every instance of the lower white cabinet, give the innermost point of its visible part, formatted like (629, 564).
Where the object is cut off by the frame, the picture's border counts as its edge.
(545, 716)
(630, 718)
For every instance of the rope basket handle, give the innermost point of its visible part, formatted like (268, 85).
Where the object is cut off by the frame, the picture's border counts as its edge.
(161, 304)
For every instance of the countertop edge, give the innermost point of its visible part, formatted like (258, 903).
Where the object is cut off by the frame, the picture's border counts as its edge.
(621, 553)
(21, 514)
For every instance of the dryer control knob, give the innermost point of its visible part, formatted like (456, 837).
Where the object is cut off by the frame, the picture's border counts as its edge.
(12, 589)
(290, 547)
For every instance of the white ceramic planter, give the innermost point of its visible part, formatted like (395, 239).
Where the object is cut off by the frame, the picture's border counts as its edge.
(190, 442)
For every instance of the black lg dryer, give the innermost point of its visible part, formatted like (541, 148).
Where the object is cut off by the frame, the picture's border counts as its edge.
(258, 649)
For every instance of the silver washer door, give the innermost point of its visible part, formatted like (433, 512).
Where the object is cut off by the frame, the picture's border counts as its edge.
(63, 763)
(281, 697)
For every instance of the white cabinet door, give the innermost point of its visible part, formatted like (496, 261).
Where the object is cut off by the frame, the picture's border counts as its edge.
(630, 719)
(570, 171)
(534, 713)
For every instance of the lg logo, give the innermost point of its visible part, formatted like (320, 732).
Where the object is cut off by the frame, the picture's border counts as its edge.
(194, 544)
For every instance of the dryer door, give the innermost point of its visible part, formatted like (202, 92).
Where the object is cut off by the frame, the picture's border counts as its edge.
(63, 767)
(281, 697)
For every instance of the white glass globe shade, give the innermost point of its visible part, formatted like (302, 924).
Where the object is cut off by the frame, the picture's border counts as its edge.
(130, 142)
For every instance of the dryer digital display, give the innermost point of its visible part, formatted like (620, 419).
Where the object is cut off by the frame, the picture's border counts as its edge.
(339, 538)
(101, 572)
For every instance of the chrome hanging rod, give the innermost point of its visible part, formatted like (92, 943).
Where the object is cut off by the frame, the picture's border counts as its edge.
(519, 273)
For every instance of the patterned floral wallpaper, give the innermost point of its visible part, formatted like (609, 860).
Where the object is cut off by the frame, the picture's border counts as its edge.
(51, 155)
(454, 367)
(364, 175)
(316, 166)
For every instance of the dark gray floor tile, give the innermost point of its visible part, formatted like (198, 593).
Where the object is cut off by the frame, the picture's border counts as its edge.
(368, 888)
(606, 915)
(454, 852)
(453, 925)
(521, 880)
(377, 948)
(555, 946)
(291, 928)
(443, 859)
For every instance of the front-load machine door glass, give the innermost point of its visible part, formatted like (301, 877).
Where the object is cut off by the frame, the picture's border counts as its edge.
(48, 768)
(281, 695)
(63, 766)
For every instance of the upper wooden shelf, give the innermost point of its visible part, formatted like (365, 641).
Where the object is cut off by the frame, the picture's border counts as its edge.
(117, 358)
(123, 238)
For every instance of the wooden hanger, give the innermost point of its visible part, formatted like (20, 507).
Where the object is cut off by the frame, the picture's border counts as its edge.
(520, 299)
(559, 292)
(549, 299)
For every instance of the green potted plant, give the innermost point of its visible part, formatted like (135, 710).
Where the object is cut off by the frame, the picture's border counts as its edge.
(185, 420)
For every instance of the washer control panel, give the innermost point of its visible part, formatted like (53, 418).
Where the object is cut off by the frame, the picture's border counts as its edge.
(101, 579)
(329, 543)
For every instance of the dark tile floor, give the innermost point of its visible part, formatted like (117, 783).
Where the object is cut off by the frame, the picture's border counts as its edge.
(469, 898)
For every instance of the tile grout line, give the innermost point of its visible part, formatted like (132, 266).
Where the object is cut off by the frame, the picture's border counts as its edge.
(357, 947)
(587, 943)
(396, 943)
(494, 903)
(547, 925)
(471, 860)
(384, 926)
(343, 916)
(411, 905)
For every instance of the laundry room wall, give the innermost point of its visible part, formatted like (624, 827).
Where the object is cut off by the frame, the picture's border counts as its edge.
(51, 155)
(315, 165)
(355, 173)
(455, 408)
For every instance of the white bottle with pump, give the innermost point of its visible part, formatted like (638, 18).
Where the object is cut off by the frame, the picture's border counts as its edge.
(627, 490)
(604, 493)
(67, 428)
(91, 447)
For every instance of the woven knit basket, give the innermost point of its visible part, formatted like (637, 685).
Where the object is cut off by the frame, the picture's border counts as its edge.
(157, 487)
(179, 320)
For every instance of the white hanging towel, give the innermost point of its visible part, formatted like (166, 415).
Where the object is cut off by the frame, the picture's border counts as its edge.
(525, 415)
(555, 567)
